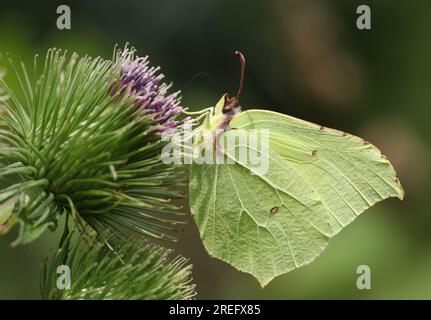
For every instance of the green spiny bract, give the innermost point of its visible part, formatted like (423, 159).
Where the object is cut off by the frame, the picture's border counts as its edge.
(78, 141)
(135, 271)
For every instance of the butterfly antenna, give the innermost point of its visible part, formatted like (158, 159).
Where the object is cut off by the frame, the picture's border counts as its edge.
(241, 81)
(231, 103)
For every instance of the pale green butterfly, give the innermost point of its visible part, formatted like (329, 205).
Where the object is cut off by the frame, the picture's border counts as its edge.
(318, 181)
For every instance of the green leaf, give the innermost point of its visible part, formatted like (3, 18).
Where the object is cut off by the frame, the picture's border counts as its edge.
(127, 271)
(269, 223)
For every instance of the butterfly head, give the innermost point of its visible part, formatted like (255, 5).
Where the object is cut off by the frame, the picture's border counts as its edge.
(226, 108)
(218, 117)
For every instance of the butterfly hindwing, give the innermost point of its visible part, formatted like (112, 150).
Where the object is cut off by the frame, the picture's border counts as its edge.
(270, 222)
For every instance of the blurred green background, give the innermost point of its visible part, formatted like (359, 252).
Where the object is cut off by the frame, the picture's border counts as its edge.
(304, 58)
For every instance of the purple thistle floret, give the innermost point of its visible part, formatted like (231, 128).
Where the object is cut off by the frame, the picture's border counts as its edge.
(151, 93)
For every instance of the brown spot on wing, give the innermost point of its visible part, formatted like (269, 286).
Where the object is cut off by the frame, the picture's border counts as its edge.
(274, 210)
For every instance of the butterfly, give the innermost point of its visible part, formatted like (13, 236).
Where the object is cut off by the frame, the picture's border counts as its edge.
(317, 181)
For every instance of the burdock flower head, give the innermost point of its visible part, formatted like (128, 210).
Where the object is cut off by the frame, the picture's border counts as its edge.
(144, 82)
(84, 142)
